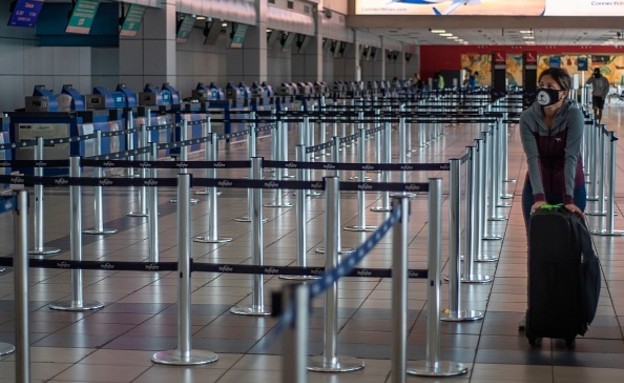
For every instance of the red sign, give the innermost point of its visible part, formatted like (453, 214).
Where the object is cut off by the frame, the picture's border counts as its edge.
(530, 57)
(499, 57)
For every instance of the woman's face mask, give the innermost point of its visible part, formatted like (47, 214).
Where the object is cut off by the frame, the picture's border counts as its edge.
(547, 97)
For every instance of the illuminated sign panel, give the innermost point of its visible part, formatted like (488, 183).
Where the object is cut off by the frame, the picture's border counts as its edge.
(491, 7)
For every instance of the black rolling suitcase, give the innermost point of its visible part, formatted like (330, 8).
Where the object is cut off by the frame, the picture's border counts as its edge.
(564, 276)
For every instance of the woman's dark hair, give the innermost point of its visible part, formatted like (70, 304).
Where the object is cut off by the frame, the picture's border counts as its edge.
(560, 76)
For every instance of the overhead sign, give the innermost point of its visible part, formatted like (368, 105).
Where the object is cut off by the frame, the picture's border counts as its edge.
(82, 16)
(490, 7)
(25, 13)
(132, 21)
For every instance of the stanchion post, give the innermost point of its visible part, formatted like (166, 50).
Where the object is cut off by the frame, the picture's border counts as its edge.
(400, 239)
(20, 270)
(38, 250)
(471, 232)
(279, 150)
(251, 152)
(455, 312)
(600, 177)
(433, 366)
(184, 355)
(295, 338)
(212, 148)
(257, 306)
(385, 175)
(301, 221)
(75, 237)
(610, 230)
(361, 194)
(142, 212)
(206, 126)
(130, 135)
(98, 211)
(329, 361)
(152, 210)
(492, 163)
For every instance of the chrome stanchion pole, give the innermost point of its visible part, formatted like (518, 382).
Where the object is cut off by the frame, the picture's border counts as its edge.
(329, 361)
(455, 312)
(480, 216)
(433, 366)
(492, 163)
(501, 186)
(257, 306)
(335, 156)
(212, 148)
(184, 136)
(20, 268)
(251, 152)
(75, 237)
(285, 146)
(471, 233)
(506, 158)
(610, 231)
(295, 338)
(488, 206)
(184, 355)
(403, 153)
(38, 250)
(142, 212)
(130, 135)
(592, 194)
(152, 209)
(302, 221)
(600, 174)
(400, 234)
(385, 175)
(98, 225)
(279, 202)
(361, 194)
(206, 127)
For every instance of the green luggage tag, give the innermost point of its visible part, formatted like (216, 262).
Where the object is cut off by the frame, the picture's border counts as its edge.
(549, 207)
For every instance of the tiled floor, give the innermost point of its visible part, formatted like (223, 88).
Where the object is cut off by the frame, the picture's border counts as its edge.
(115, 343)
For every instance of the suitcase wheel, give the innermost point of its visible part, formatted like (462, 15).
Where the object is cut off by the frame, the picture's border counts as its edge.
(570, 343)
(534, 341)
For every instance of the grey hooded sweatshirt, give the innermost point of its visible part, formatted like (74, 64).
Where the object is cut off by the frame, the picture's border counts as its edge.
(553, 155)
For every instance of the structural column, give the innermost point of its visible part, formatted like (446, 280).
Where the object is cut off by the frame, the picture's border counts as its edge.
(252, 58)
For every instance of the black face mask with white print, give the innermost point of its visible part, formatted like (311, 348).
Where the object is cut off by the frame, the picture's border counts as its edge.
(547, 97)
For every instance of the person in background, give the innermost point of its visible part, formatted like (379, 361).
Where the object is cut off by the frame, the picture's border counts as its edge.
(600, 89)
(473, 80)
(551, 130)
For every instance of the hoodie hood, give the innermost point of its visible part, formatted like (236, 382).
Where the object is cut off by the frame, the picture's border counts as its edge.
(535, 115)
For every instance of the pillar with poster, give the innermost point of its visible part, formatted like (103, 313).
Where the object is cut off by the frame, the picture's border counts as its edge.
(529, 77)
(499, 74)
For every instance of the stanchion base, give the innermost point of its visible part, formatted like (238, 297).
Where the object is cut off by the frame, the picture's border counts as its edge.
(247, 219)
(283, 204)
(99, 232)
(250, 311)
(136, 214)
(337, 364)
(44, 251)
(203, 192)
(193, 201)
(357, 228)
(441, 368)
(211, 240)
(477, 279)
(596, 213)
(174, 358)
(70, 306)
(461, 316)
(381, 209)
(298, 277)
(6, 348)
(487, 258)
(604, 233)
(342, 251)
(497, 218)
(492, 237)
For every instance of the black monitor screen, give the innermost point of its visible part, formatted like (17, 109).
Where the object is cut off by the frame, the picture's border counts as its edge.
(25, 13)
(132, 21)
